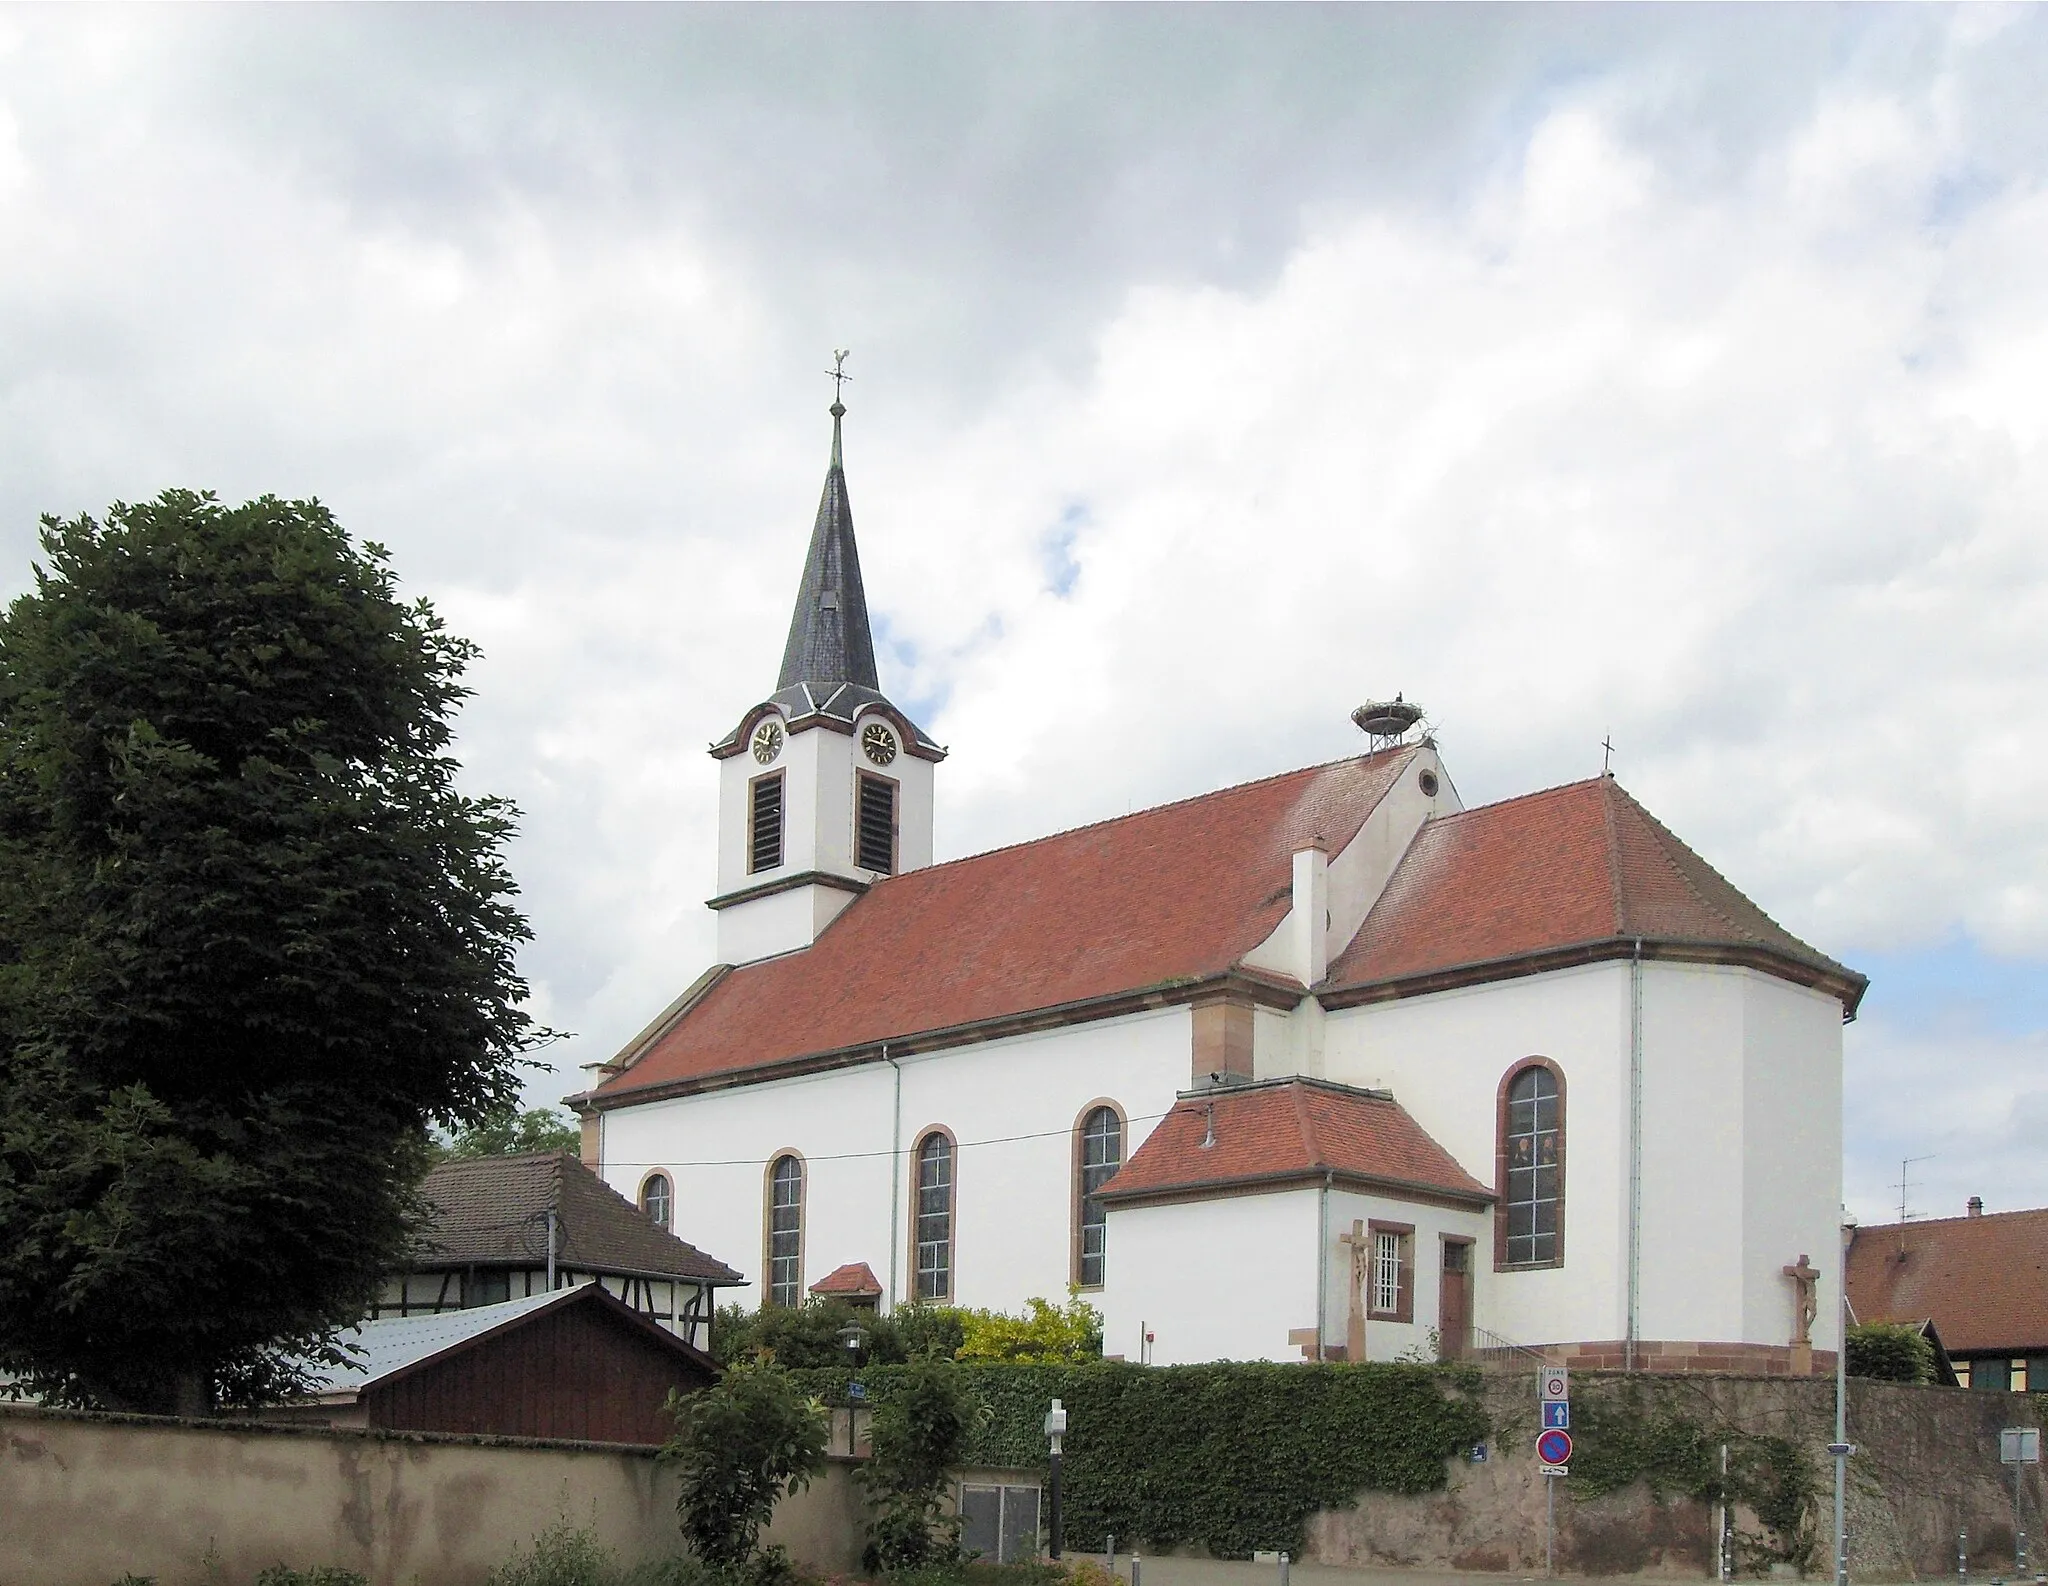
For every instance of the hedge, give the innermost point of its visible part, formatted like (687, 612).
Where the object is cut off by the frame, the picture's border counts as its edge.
(1230, 1457)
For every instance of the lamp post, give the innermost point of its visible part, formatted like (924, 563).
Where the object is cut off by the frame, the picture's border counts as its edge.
(1840, 1447)
(1055, 1429)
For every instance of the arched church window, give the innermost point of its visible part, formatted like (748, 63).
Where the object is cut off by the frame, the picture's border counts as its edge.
(1099, 1152)
(934, 1216)
(1529, 1227)
(786, 1230)
(656, 1196)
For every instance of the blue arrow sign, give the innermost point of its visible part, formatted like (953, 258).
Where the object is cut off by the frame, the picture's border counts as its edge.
(1557, 1414)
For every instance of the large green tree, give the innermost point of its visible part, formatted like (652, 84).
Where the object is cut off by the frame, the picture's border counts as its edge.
(254, 944)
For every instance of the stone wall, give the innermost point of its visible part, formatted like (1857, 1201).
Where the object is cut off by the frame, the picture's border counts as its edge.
(1926, 1469)
(89, 1498)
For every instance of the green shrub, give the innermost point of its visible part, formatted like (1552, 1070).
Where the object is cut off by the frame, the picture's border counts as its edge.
(563, 1555)
(809, 1336)
(917, 1436)
(1890, 1352)
(1043, 1334)
(739, 1447)
(1232, 1457)
(284, 1575)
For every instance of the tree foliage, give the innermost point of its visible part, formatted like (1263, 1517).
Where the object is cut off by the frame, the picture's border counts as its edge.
(1890, 1352)
(816, 1334)
(253, 944)
(1043, 1334)
(510, 1132)
(916, 1436)
(739, 1447)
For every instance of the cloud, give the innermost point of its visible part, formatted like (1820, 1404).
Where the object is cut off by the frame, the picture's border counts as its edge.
(1575, 373)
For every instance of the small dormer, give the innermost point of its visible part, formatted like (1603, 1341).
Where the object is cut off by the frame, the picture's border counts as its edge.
(824, 787)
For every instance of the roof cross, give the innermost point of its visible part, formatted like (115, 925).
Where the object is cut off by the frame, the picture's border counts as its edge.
(1607, 755)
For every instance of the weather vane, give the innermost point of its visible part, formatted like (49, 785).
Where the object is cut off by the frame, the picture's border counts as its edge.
(838, 373)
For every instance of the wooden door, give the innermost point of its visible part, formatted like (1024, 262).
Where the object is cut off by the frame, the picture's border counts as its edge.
(1454, 1301)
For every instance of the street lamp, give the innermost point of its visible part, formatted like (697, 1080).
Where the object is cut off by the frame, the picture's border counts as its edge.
(1840, 1447)
(1055, 1429)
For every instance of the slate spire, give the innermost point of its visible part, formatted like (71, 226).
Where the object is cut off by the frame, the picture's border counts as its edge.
(829, 641)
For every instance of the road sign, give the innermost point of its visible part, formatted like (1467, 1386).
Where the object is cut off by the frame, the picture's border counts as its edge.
(1478, 1453)
(1557, 1414)
(1554, 1447)
(1555, 1383)
(2020, 1445)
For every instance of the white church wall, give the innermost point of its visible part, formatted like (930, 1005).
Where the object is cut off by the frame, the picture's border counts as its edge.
(782, 922)
(1693, 1190)
(1792, 1154)
(1279, 1044)
(829, 839)
(1219, 1279)
(1444, 1056)
(1010, 1106)
(1417, 1338)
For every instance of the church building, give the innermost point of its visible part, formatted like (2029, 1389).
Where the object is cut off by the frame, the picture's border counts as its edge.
(1323, 1066)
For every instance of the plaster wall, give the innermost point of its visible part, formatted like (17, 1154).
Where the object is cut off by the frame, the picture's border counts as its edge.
(1792, 1154)
(1327, 911)
(1444, 1056)
(1222, 1279)
(90, 1499)
(1011, 1106)
(781, 922)
(1391, 1340)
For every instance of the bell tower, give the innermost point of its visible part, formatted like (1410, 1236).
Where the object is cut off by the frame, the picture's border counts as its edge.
(824, 788)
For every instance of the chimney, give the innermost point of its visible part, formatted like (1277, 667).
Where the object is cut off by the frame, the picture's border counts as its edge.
(1976, 1205)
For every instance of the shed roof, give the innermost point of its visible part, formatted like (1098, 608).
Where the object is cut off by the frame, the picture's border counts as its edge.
(855, 1280)
(492, 1211)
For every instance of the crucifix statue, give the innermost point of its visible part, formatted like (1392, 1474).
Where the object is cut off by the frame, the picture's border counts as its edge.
(1361, 1266)
(1804, 1275)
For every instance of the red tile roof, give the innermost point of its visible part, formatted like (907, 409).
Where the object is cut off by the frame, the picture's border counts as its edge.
(1574, 866)
(1294, 1130)
(1166, 895)
(1171, 896)
(1982, 1281)
(856, 1279)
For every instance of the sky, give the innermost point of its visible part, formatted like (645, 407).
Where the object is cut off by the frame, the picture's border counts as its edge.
(1671, 375)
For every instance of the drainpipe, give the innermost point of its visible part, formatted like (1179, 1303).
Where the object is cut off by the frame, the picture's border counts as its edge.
(895, 1175)
(1322, 1260)
(1635, 1156)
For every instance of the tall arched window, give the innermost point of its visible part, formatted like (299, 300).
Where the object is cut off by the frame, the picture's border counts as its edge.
(656, 1197)
(1098, 1153)
(786, 1230)
(1530, 1222)
(935, 1217)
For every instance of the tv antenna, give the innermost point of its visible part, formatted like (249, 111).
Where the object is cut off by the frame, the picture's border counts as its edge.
(1906, 1185)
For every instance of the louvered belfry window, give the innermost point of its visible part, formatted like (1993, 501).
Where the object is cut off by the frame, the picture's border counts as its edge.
(877, 823)
(764, 824)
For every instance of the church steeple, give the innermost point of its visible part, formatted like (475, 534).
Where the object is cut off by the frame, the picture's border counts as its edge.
(829, 638)
(825, 786)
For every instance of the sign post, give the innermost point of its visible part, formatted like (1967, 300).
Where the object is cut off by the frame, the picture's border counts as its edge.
(1553, 1449)
(2019, 1447)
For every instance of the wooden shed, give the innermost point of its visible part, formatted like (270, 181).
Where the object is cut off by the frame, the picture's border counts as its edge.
(576, 1364)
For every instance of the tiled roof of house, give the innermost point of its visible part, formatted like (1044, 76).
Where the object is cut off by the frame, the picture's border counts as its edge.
(1982, 1281)
(492, 1211)
(1242, 1137)
(1574, 866)
(1163, 896)
(856, 1280)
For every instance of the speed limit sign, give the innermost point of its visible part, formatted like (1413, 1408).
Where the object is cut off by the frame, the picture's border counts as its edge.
(1556, 1383)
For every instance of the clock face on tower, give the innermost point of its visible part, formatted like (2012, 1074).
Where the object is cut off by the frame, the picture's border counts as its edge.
(878, 743)
(767, 741)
